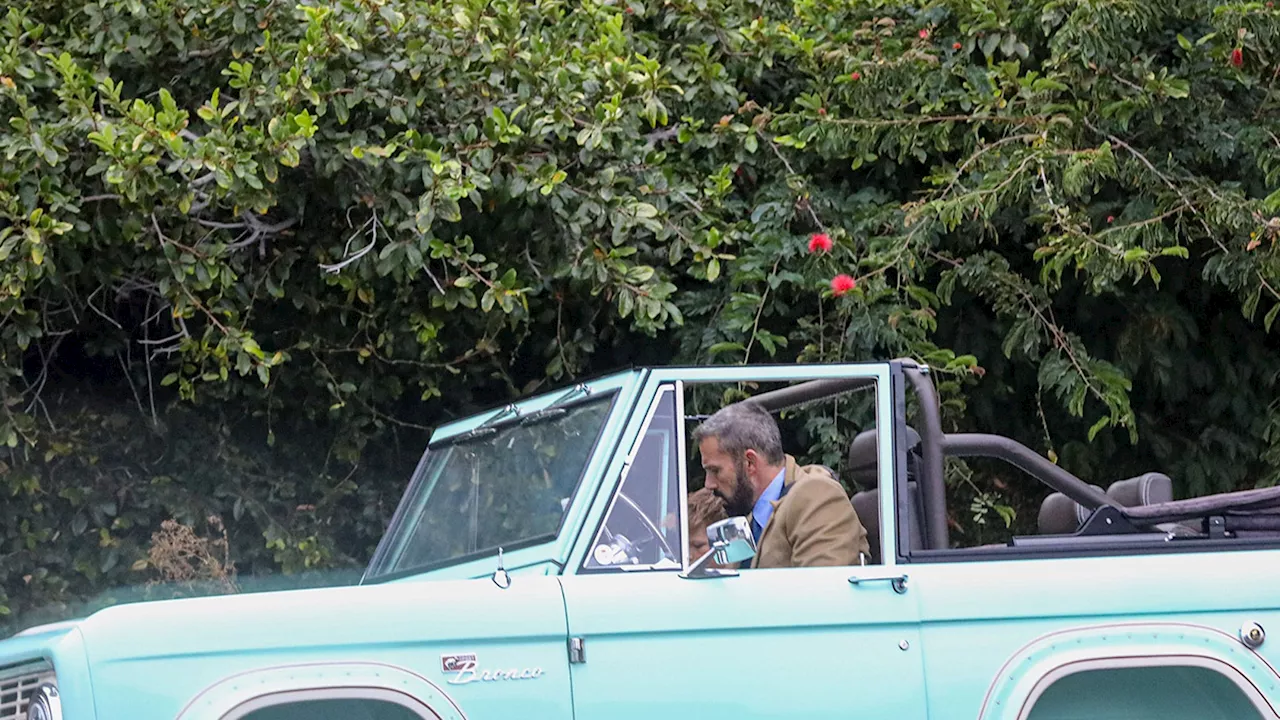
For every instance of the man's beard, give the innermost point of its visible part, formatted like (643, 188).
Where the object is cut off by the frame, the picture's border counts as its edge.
(743, 500)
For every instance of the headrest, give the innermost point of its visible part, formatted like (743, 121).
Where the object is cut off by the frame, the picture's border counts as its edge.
(863, 456)
(1060, 515)
(1148, 489)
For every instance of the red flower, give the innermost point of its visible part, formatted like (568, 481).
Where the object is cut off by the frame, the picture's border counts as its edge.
(855, 75)
(822, 111)
(924, 33)
(956, 46)
(842, 284)
(1111, 218)
(819, 241)
(1237, 57)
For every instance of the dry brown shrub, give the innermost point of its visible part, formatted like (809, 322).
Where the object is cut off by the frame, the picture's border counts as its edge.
(180, 555)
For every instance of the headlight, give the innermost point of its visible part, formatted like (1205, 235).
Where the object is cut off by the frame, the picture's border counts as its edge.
(45, 704)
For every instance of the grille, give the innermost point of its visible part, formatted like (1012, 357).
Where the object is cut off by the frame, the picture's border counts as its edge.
(17, 683)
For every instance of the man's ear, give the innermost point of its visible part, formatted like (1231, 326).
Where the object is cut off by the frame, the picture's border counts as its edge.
(752, 460)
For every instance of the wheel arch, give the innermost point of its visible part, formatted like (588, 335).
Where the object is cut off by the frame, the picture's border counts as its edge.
(1029, 674)
(238, 694)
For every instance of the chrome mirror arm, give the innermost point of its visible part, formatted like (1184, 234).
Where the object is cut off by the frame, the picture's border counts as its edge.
(701, 568)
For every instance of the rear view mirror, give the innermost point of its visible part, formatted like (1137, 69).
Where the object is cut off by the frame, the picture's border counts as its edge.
(731, 543)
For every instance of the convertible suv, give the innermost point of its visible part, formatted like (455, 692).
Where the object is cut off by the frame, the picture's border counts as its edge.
(538, 566)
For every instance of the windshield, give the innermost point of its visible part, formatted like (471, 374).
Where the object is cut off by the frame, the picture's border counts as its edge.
(507, 488)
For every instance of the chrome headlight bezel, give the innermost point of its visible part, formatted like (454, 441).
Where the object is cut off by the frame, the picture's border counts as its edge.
(45, 704)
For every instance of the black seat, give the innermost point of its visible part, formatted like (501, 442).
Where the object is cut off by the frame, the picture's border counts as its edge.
(1060, 515)
(863, 470)
(1148, 489)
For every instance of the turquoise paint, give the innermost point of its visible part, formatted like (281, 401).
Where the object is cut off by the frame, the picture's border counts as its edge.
(765, 644)
(1173, 645)
(966, 640)
(992, 614)
(149, 660)
(64, 648)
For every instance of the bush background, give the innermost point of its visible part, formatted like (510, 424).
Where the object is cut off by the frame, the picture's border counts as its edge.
(251, 251)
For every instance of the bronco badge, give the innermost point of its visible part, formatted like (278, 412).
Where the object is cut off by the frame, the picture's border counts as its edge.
(465, 669)
(454, 663)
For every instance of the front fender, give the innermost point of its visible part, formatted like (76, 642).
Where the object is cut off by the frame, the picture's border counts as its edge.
(1051, 657)
(202, 656)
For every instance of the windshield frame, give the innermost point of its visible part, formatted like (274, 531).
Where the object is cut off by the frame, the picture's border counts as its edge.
(616, 391)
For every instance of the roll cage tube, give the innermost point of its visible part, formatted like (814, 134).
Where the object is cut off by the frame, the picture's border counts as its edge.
(933, 484)
(936, 444)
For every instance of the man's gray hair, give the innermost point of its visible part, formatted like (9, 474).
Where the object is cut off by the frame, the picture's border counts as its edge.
(743, 426)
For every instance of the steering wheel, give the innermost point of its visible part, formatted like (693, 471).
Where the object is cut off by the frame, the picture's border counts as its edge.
(623, 550)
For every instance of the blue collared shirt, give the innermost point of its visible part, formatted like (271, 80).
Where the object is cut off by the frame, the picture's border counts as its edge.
(764, 506)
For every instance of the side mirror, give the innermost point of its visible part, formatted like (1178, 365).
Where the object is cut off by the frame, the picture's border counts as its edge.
(731, 540)
(731, 543)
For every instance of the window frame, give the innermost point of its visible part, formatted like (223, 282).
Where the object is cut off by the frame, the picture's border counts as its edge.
(880, 373)
(884, 377)
(628, 462)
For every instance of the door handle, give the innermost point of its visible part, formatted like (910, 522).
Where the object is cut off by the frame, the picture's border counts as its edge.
(897, 582)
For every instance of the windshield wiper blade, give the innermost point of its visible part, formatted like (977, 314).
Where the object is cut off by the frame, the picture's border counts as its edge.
(556, 409)
(488, 427)
(511, 413)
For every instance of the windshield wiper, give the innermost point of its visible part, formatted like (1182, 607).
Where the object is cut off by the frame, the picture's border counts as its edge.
(489, 426)
(511, 413)
(556, 409)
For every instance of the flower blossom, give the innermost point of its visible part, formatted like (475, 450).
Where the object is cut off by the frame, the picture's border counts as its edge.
(1237, 57)
(842, 284)
(820, 242)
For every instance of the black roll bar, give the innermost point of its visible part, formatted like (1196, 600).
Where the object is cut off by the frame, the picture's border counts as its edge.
(1027, 460)
(794, 395)
(934, 487)
(935, 445)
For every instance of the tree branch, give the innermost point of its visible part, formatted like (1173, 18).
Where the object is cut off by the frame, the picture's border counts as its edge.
(372, 223)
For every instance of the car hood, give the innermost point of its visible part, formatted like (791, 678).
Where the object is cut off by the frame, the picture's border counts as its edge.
(324, 618)
(151, 659)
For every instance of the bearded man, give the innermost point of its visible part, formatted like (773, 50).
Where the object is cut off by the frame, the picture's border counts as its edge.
(800, 515)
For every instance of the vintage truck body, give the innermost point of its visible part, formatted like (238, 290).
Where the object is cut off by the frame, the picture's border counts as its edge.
(538, 567)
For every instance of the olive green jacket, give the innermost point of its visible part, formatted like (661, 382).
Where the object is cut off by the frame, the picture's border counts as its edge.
(812, 524)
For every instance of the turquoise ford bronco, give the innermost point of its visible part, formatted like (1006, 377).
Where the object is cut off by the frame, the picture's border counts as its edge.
(538, 567)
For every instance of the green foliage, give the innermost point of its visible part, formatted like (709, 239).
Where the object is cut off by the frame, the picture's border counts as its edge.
(314, 230)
